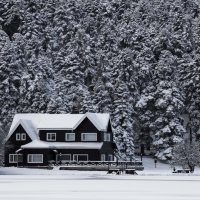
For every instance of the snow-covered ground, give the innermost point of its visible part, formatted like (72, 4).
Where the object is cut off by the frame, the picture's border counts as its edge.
(99, 187)
(160, 168)
(152, 184)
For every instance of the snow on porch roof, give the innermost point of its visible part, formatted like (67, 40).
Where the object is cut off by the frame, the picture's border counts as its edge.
(39, 121)
(36, 144)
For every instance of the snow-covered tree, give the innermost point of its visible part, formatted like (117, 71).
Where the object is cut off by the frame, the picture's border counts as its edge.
(160, 107)
(186, 155)
(123, 121)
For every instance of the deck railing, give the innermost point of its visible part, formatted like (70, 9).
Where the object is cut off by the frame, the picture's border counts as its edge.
(110, 164)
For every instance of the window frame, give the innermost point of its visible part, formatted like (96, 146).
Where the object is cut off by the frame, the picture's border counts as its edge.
(83, 137)
(13, 160)
(49, 137)
(58, 157)
(70, 140)
(110, 156)
(18, 136)
(80, 155)
(23, 136)
(107, 137)
(28, 160)
(103, 157)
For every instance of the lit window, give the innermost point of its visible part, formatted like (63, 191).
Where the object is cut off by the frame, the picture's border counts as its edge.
(70, 136)
(51, 136)
(14, 158)
(18, 136)
(23, 136)
(107, 137)
(35, 158)
(89, 137)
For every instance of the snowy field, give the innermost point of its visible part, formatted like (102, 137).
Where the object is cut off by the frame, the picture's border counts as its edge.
(99, 187)
(151, 184)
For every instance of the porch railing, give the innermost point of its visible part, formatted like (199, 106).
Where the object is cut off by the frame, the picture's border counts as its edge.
(108, 164)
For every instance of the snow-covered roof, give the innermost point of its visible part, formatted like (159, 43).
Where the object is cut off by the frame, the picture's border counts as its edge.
(100, 120)
(28, 127)
(37, 144)
(32, 123)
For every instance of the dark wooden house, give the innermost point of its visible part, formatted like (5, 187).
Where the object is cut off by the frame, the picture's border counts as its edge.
(41, 139)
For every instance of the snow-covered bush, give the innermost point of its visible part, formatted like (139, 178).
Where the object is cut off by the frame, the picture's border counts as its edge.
(186, 155)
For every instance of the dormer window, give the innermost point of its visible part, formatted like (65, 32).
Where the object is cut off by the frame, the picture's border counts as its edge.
(23, 136)
(20, 136)
(51, 136)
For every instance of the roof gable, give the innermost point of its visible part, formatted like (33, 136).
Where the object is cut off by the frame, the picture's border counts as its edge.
(100, 121)
(27, 126)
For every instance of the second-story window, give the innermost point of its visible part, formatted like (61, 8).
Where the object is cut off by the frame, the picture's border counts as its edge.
(51, 136)
(89, 137)
(69, 136)
(23, 136)
(107, 137)
(20, 136)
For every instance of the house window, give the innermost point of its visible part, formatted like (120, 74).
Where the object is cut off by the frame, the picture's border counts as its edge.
(15, 158)
(18, 136)
(69, 136)
(107, 137)
(23, 136)
(89, 137)
(51, 136)
(64, 157)
(103, 157)
(110, 157)
(35, 158)
(80, 157)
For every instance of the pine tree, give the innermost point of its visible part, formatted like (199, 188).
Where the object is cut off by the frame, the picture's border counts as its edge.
(11, 68)
(161, 106)
(122, 121)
